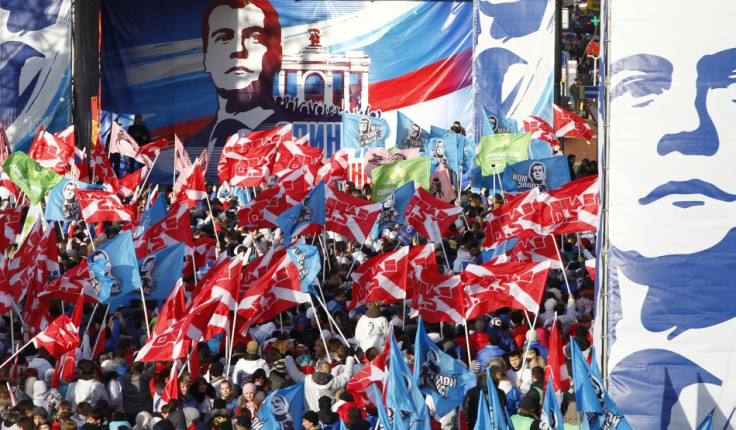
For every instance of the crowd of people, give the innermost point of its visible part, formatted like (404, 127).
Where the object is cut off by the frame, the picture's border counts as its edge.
(114, 391)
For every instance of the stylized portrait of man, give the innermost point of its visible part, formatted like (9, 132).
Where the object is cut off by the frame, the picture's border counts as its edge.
(672, 222)
(280, 408)
(494, 123)
(96, 282)
(146, 272)
(241, 40)
(70, 206)
(538, 176)
(414, 137)
(388, 212)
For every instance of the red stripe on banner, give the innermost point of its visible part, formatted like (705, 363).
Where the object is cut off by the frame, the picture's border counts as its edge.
(183, 129)
(356, 174)
(430, 82)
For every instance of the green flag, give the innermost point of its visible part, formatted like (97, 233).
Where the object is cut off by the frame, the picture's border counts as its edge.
(389, 177)
(500, 150)
(33, 179)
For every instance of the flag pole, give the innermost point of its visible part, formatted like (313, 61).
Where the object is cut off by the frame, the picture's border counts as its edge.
(321, 335)
(559, 257)
(467, 340)
(526, 351)
(150, 170)
(16, 353)
(442, 243)
(104, 319)
(214, 228)
(194, 267)
(334, 322)
(89, 323)
(145, 312)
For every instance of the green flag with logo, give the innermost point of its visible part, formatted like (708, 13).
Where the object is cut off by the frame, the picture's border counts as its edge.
(31, 178)
(389, 177)
(497, 151)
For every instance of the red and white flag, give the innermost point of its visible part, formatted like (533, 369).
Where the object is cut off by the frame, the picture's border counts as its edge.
(567, 124)
(257, 268)
(70, 284)
(375, 372)
(440, 186)
(245, 165)
(6, 299)
(556, 363)
(297, 182)
(122, 143)
(10, 223)
(349, 215)
(173, 228)
(294, 155)
(336, 169)
(181, 157)
(99, 205)
(439, 297)
(488, 287)
(171, 390)
(194, 190)
(5, 149)
(151, 150)
(173, 310)
(222, 286)
(100, 166)
(129, 183)
(59, 337)
(382, 277)
(50, 152)
(431, 217)
(32, 264)
(263, 209)
(542, 131)
(532, 249)
(420, 258)
(571, 208)
(590, 268)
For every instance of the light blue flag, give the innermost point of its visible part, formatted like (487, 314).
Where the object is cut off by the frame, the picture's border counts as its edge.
(297, 218)
(467, 148)
(435, 131)
(707, 423)
(439, 375)
(161, 271)
(114, 269)
(496, 124)
(281, 409)
(408, 133)
(488, 254)
(363, 131)
(545, 174)
(308, 262)
(243, 194)
(444, 150)
(495, 410)
(382, 415)
(551, 417)
(400, 383)
(393, 208)
(62, 202)
(152, 215)
(483, 421)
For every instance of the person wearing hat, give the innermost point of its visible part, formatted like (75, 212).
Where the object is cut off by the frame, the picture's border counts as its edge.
(501, 328)
(278, 376)
(248, 400)
(356, 420)
(527, 414)
(248, 364)
(532, 342)
(310, 421)
(325, 414)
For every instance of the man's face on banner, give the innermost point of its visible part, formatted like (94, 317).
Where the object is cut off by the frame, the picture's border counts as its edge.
(279, 405)
(364, 124)
(674, 98)
(537, 173)
(235, 46)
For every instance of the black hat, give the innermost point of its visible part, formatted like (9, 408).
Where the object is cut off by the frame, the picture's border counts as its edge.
(311, 416)
(354, 414)
(529, 402)
(324, 402)
(164, 424)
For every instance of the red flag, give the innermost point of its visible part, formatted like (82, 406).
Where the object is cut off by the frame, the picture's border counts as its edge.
(293, 156)
(34, 262)
(173, 309)
(440, 185)
(277, 291)
(431, 217)
(532, 249)
(571, 208)
(6, 300)
(10, 223)
(129, 183)
(542, 131)
(590, 268)
(59, 337)
(51, 152)
(171, 390)
(257, 268)
(64, 368)
(420, 258)
(100, 343)
(382, 277)
(349, 215)
(222, 285)
(4, 145)
(556, 364)
(567, 124)
(152, 149)
(195, 369)
(99, 205)
(296, 182)
(181, 157)
(491, 287)
(194, 190)
(375, 372)
(245, 165)
(439, 298)
(100, 166)
(70, 284)
(263, 209)
(121, 142)
(175, 227)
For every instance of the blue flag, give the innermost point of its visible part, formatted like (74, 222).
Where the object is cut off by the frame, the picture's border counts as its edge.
(439, 375)
(152, 215)
(382, 415)
(590, 396)
(363, 131)
(545, 174)
(243, 194)
(467, 148)
(393, 208)
(114, 269)
(444, 150)
(435, 131)
(483, 421)
(707, 423)
(400, 383)
(308, 262)
(495, 410)
(408, 133)
(551, 414)
(281, 409)
(161, 271)
(311, 210)
(496, 124)
(62, 202)
(488, 254)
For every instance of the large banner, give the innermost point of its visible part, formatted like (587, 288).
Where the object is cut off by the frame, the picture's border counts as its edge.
(672, 212)
(35, 68)
(513, 63)
(207, 70)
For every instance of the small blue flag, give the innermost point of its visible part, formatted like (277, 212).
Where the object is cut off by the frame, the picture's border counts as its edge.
(495, 410)
(308, 262)
(545, 174)
(393, 208)
(496, 124)
(311, 210)
(161, 271)
(114, 269)
(382, 415)
(152, 215)
(551, 416)
(483, 421)
(62, 202)
(444, 150)
(435, 131)
(281, 409)
(400, 383)
(439, 375)
(707, 423)
(408, 133)
(363, 131)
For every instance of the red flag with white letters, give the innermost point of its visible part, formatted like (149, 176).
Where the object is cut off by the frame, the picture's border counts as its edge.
(567, 124)
(439, 297)
(99, 205)
(431, 217)
(375, 372)
(100, 165)
(294, 155)
(194, 190)
(10, 223)
(246, 165)
(51, 152)
(349, 215)
(71, 284)
(173, 228)
(382, 278)
(59, 337)
(263, 209)
(542, 131)
(171, 390)
(130, 182)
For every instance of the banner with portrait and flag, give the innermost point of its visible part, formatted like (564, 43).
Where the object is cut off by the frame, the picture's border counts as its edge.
(545, 174)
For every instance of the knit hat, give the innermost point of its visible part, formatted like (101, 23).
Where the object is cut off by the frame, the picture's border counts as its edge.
(108, 366)
(549, 304)
(324, 402)
(252, 347)
(39, 411)
(279, 366)
(249, 388)
(529, 402)
(311, 416)
(531, 335)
